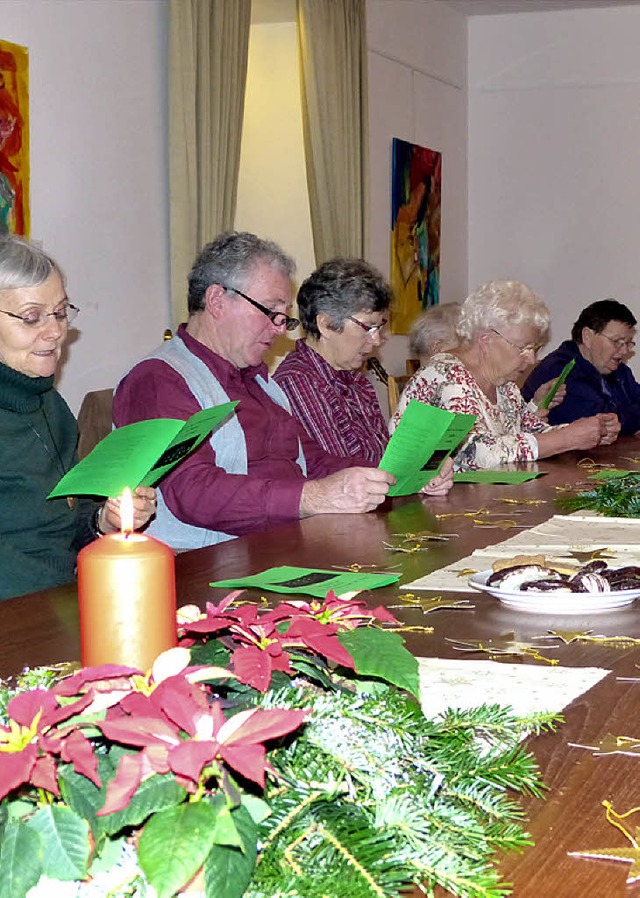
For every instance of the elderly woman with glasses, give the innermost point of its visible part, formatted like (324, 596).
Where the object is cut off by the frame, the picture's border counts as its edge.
(602, 339)
(502, 326)
(344, 308)
(39, 539)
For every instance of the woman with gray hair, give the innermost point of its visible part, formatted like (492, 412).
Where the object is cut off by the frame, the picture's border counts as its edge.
(39, 538)
(343, 308)
(502, 326)
(433, 331)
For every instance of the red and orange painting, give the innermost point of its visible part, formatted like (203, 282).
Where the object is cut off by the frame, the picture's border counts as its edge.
(415, 232)
(14, 139)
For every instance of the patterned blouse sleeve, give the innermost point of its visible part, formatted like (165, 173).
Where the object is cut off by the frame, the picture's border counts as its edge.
(493, 440)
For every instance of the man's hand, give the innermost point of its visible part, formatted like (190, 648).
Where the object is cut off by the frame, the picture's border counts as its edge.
(442, 482)
(352, 491)
(144, 507)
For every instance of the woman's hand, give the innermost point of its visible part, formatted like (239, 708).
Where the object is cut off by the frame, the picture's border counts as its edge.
(609, 428)
(441, 483)
(144, 507)
(542, 391)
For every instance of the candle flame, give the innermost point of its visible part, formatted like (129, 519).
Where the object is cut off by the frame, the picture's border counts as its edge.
(126, 511)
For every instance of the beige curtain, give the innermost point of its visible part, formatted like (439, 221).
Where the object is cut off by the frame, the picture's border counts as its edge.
(208, 50)
(333, 73)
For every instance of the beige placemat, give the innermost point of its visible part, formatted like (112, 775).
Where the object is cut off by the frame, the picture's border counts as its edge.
(527, 688)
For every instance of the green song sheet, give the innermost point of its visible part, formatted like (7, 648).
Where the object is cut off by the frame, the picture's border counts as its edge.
(310, 581)
(610, 473)
(139, 454)
(564, 374)
(495, 476)
(423, 439)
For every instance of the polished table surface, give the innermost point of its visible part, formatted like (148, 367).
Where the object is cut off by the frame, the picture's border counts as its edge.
(43, 628)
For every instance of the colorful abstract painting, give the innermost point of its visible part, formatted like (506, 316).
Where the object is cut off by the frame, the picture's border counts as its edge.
(14, 139)
(415, 231)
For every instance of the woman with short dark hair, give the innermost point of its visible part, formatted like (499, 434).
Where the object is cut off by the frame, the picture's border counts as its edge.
(343, 308)
(602, 339)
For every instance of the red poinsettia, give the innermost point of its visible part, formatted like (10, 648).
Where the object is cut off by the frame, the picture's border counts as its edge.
(179, 732)
(261, 642)
(34, 739)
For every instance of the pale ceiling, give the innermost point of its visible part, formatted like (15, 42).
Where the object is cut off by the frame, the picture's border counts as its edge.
(499, 7)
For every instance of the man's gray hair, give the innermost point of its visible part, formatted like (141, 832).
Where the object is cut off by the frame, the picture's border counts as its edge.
(229, 260)
(497, 304)
(23, 264)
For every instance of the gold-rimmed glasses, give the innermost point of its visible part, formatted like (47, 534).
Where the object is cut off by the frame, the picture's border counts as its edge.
(532, 348)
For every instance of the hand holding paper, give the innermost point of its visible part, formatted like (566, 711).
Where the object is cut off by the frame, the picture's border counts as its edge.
(423, 439)
(566, 371)
(139, 454)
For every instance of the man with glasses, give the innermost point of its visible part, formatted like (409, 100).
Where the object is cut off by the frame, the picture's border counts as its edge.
(259, 468)
(602, 339)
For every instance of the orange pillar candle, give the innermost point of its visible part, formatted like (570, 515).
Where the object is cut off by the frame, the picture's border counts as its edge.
(127, 600)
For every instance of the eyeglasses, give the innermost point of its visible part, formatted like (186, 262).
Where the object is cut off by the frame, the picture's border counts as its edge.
(36, 318)
(523, 350)
(370, 329)
(276, 318)
(620, 342)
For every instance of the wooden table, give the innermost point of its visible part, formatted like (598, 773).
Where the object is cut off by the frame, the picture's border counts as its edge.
(43, 628)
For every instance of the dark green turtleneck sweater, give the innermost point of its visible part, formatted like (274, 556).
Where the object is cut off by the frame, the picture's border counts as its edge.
(38, 437)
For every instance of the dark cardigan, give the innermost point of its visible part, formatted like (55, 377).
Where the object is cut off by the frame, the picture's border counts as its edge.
(39, 538)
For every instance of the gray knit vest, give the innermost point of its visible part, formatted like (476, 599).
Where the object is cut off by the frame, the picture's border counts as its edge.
(228, 442)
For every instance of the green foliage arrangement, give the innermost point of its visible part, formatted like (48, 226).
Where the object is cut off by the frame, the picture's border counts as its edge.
(276, 753)
(614, 496)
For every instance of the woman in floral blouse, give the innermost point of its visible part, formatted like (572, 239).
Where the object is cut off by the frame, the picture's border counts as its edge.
(502, 326)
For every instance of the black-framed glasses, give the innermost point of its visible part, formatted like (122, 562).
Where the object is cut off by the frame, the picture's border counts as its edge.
(37, 318)
(523, 350)
(278, 319)
(370, 329)
(620, 342)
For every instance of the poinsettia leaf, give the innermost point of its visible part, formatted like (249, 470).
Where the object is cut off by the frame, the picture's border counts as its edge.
(174, 845)
(16, 768)
(380, 653)
(25, 706)
(252, 666)
(228, 870)
(108, 854)
(77, 749)
(256, 725)
(153, 794)
(43, 775)
(66, 840)
(225, 831)
(190, 757)
(157, 793)
(248, 760)
(210, 654)
(20, 860)
(257, 807)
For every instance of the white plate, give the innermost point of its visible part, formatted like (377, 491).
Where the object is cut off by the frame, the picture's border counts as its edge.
(556, 602)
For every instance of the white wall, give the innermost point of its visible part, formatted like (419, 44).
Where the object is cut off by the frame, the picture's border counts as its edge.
(554, 130)
(418, 92)
(99, 171)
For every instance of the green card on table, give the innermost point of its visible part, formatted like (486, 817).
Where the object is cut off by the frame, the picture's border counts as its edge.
(310, 581)
(424, 438)
(139, 454)
(495, 476)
